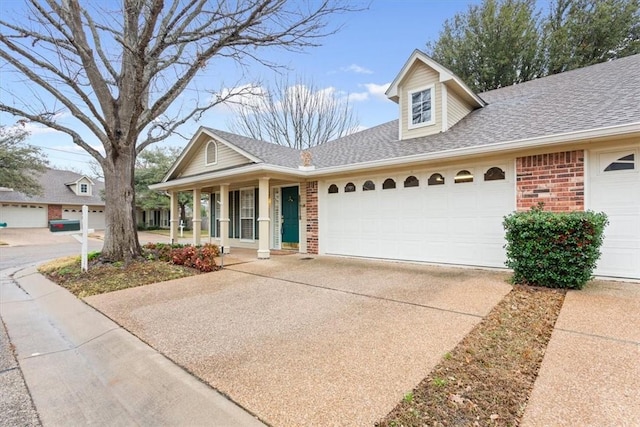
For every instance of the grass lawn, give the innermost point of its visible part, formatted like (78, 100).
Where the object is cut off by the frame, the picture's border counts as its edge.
(186, 234)
(103, 278)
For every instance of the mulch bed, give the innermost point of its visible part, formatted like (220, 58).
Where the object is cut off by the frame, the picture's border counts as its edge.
(487, 378)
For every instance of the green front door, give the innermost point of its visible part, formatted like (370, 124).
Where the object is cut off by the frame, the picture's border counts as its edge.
(290, 218)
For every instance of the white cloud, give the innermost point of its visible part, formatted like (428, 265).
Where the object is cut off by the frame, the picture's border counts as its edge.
(245, 95)
(359, 96)
(355, 68)
(376, 90)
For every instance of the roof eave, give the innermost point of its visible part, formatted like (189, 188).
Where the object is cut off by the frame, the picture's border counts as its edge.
(504, 146)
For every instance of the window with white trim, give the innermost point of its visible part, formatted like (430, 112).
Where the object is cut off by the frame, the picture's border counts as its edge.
(420, 107)
(247, 207)
(84, 188)
(211, 153)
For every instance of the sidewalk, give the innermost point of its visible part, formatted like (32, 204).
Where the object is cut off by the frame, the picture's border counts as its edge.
(81, 368)
(590, 375)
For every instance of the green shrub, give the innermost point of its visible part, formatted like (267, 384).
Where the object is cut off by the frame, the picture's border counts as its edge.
(160, 251)
(556, 250)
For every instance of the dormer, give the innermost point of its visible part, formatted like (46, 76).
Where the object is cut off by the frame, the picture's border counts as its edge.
(81, 187)
(430, 97)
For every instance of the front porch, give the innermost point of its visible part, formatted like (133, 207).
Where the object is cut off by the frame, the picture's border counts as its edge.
(263, 214)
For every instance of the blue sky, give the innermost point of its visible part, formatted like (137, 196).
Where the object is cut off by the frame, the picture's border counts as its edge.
(360, 60)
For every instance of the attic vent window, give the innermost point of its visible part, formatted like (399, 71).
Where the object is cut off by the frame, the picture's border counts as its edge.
(211, 153)
(84, 188)
(421, 113)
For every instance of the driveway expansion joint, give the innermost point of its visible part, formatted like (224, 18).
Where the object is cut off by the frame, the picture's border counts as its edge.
(602, 337)
(478, 316)
(73, 346)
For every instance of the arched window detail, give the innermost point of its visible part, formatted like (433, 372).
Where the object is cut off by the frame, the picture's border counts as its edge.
(494, 174)
(350, 187)
(211, 153)
(411, 181)
(388, 184)
(463, 176)
(368, 186)
(333, 189)
(623, 163)
(436, 179)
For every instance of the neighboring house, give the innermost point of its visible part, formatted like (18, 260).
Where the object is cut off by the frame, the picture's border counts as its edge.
(152, 218)
(63, 195)
(434, 185)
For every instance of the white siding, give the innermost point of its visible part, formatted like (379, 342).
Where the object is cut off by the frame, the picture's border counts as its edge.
(457, 109)
(226, 158)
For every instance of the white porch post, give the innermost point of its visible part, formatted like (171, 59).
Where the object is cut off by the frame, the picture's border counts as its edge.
(174, 217)
(197, 217)
(224, 218)
(263, 221)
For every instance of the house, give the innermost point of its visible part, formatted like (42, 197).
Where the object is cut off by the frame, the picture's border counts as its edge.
(63, 195)
(434, 185)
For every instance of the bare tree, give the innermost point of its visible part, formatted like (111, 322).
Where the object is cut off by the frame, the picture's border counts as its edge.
(297, 115)
(119, 72)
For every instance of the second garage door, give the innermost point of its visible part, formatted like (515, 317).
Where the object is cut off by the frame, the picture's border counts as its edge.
(445, 216)
(96, 215)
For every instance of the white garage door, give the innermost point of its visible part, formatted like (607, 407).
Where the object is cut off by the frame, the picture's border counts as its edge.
(614, 188)
(96, 215)
(23, 215)
(445, 216)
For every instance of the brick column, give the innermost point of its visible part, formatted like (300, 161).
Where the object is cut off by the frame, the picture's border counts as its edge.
(312, 217)
(54, 212)
(556, 179)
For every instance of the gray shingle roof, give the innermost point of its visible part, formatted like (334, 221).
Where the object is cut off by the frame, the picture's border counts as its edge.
(602, 95)
(266, 151)
(55, 191)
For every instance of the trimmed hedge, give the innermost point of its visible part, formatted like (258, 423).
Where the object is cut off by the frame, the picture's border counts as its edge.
(556, 250)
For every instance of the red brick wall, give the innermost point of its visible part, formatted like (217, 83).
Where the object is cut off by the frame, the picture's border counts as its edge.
(54, 212)
(312, 217)
(556, 179)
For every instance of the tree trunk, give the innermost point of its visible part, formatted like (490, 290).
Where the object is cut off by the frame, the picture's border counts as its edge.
(121, 235)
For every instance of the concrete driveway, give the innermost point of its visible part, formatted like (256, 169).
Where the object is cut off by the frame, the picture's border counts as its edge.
(321, 341)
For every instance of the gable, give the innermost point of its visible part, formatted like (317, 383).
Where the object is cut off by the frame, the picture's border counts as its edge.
(420, 77)
(197, 157)
(430, 97)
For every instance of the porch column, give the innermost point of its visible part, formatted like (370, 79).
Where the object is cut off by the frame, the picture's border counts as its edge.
(197, 217)
(174, 217)
(224, 218)
(263, 221)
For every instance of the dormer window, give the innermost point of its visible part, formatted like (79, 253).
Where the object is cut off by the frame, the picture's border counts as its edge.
(420, 103)
(84, 188)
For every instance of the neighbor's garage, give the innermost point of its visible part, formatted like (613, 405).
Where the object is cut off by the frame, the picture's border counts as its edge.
(614, 188)
(452, 215)
(96, 215)
(18, 215)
